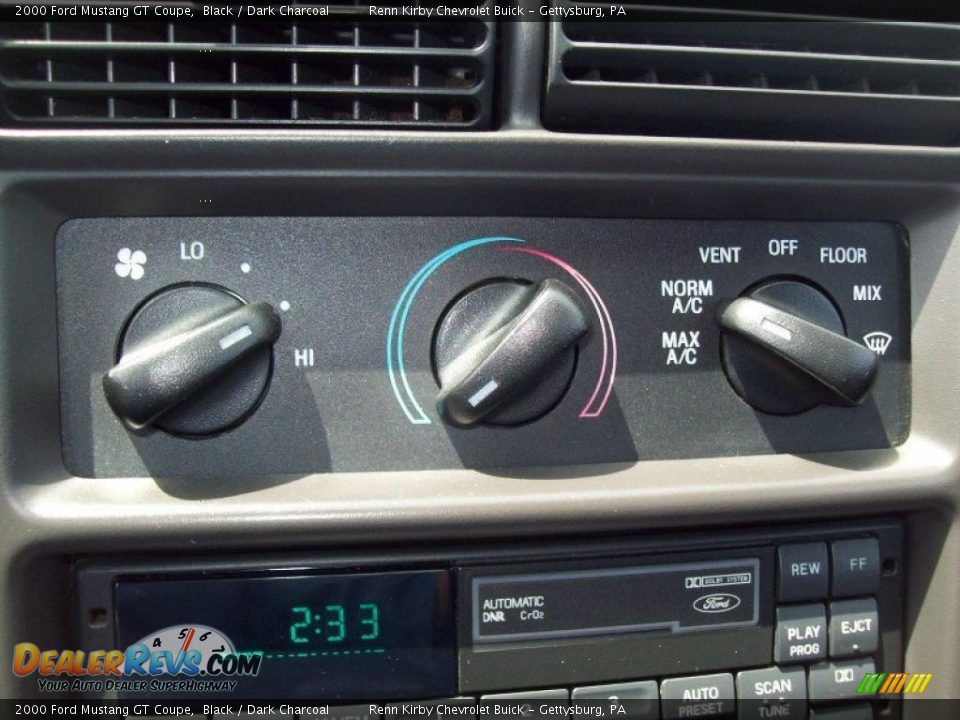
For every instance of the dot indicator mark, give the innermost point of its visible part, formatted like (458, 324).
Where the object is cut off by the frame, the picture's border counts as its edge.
(284, 305)
(245, 268)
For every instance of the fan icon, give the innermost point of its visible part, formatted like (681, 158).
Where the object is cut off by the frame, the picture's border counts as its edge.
(131, 263)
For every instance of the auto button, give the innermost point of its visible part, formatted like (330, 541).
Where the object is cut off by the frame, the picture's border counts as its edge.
(702, 696)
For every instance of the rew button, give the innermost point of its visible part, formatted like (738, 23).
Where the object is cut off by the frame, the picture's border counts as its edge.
(803, 572)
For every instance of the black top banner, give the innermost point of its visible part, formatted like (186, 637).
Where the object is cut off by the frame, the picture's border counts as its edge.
(486, 10)
(515, 708)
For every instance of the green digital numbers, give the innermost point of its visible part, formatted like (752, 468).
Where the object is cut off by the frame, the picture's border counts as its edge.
(339, 623)
(370, 619)
(306, 619)
(334, 624)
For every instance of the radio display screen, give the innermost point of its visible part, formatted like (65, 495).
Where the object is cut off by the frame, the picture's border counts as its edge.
(337, 637)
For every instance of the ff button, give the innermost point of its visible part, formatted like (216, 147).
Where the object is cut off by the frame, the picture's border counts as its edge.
(856, 567)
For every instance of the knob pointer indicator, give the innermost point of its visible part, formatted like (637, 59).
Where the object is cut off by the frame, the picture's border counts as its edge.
(194, 360)
(785, 350)
(505, 352)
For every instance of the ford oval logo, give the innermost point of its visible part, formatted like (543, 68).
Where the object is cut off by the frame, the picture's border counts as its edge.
(716, 603)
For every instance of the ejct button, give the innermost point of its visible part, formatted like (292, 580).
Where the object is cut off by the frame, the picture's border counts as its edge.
(854, 627)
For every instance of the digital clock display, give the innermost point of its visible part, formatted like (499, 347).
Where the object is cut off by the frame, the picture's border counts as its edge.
(324, 637)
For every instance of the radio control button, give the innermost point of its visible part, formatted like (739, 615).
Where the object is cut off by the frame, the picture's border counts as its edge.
(856, 567)
(854, 627)
(558, 694)
(533, 699)
(341, 712)
(643, 696)
(701, 696)
(772, 692)
(832, 681)
(801, 634)
(860, 711)
(803, 572)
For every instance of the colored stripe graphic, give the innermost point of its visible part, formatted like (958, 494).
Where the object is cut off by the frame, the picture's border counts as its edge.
(608, 364)
(398, 321)
(894, 683)
(891, 681)
(900, 683)
(870, 683)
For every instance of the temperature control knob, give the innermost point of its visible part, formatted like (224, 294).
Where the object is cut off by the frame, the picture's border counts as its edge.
(785, 350)
(193, 360)
(504, 352)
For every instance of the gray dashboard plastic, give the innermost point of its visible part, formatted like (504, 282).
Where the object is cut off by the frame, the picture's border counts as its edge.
(48, 517)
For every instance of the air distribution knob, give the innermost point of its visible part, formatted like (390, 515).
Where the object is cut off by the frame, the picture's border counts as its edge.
(504, 352)
(785, 350)
(193, 360)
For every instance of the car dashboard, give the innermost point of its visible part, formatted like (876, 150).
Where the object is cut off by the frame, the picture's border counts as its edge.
(479, 361)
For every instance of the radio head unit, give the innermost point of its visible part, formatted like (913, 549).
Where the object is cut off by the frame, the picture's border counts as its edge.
(508, 617)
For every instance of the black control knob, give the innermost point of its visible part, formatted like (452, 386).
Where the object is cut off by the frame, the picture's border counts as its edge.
(785, 350)
(504, 352)
(193, 360)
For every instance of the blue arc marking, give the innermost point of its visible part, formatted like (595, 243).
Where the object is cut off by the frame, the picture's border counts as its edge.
(398, 321)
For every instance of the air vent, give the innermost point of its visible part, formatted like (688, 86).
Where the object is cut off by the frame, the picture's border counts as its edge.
(346, 72)
(730, 74)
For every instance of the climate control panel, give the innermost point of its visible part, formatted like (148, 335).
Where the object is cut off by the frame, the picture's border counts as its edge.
(201, 346)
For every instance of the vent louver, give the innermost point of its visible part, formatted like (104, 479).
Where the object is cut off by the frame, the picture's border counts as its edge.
(343, 72)
(730, 74)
